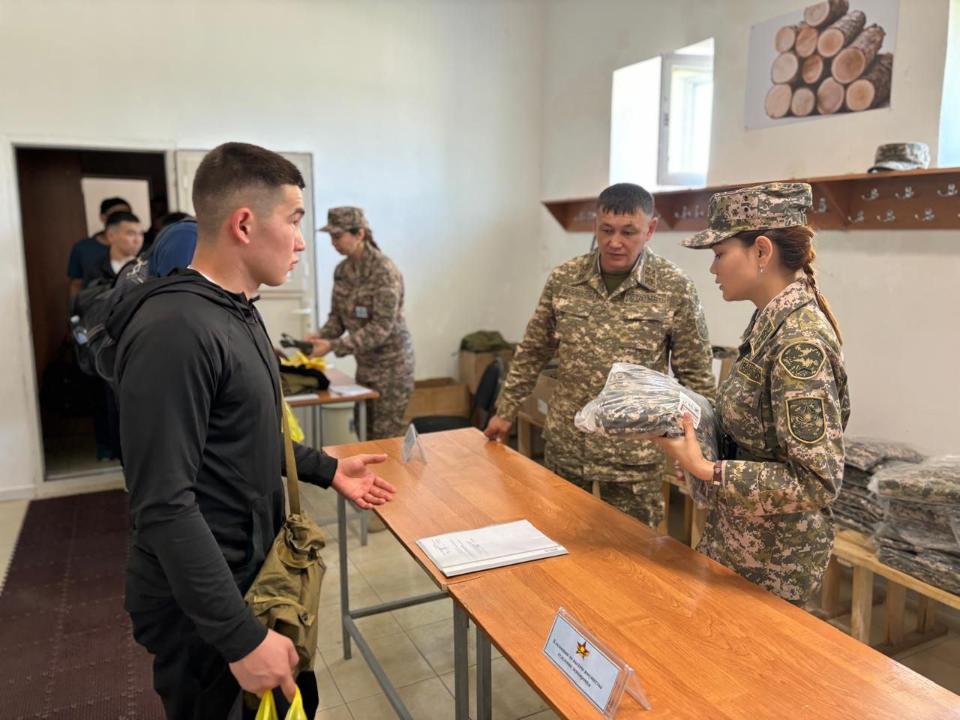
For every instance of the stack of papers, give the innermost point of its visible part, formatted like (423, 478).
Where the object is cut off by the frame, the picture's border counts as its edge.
(494, 546)
(348, 390)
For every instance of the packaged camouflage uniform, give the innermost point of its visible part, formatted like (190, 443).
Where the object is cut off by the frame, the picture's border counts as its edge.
(857, 507)
(867, 453)
(638, 402)
(366, 320)
(940, 569)
(785, 405)
(920, 531)
(935, 480)
(653, 318)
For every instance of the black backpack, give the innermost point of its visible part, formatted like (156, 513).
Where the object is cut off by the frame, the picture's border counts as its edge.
(89, 311)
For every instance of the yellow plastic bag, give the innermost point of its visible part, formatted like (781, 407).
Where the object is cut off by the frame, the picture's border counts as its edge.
(268, 709)
(296, 432)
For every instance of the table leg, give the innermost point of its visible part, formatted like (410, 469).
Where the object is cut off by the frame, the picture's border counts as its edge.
(484, 684)
(362, 435)
(461, 671)
(893, 611)
(830, 589)
(344, 575)
(862, 604)
(362, 420)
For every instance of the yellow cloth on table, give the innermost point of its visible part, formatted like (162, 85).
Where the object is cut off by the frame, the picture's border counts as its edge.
(301, 360)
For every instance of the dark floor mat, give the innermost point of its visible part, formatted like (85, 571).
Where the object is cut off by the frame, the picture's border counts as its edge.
(66, 648)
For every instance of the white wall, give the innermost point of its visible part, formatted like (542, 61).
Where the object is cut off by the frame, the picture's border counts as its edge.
(425, 113)
(896, 294)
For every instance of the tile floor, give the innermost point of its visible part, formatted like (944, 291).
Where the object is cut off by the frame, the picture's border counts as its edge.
(415, 645)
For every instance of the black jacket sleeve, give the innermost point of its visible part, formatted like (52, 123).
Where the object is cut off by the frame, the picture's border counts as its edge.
(313, 466)
(168, 374)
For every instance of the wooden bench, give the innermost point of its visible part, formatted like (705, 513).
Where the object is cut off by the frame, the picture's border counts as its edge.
(857, 551)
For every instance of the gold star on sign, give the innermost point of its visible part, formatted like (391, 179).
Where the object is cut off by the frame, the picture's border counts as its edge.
(582, 649)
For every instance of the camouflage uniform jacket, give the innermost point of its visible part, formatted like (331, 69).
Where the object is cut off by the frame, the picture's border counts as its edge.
(786, 406)
(368, 304)
(654, 319)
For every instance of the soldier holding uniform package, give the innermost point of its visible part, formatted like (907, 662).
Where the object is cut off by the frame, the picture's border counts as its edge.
(620, 303)
(785, 405)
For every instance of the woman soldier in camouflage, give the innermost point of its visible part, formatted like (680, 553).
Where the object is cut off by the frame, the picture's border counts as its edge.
(785, 404)
(368, 305)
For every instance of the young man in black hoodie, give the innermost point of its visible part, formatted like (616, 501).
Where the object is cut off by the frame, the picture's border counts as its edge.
(199, 398)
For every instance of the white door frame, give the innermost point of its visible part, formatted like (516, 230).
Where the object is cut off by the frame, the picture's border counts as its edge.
(37, 486)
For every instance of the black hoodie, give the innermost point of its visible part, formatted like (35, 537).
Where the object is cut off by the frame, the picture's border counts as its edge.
(199, 395)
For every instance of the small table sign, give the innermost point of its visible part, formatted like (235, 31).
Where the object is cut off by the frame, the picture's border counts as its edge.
(590, 666)
(411, 442)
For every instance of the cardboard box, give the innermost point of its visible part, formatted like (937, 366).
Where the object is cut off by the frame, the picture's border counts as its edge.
(536, 406)
(472, 365)
(438, 396)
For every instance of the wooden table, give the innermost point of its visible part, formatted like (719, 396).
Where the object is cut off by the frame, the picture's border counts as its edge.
(468, 483)
(704, 642)
(314, 401)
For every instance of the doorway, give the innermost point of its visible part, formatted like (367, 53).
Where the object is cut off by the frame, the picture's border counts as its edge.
(59, 201)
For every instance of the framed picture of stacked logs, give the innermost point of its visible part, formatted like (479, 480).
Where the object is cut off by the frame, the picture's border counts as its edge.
(830, 58)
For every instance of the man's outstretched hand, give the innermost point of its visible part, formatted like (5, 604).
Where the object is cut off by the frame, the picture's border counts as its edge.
(359, 484)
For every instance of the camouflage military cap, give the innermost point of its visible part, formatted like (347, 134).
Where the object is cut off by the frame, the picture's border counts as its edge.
(345, 218)
(901, 156)
(761, 207)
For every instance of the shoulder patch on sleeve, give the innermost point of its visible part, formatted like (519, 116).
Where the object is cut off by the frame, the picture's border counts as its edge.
(702, 329)
(802, 360)
(805, 419)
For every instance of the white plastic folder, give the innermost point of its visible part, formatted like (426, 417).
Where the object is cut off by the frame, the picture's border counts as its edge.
(467, 551)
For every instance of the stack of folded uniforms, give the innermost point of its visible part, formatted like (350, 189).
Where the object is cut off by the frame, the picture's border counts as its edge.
(856, 507)
(638, 402)
(920, 531)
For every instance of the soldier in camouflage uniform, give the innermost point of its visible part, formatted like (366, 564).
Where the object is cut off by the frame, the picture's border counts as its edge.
(366, 320)
(620, 303)
(785, 405)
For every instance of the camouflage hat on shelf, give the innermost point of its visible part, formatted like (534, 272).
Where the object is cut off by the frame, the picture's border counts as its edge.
(761, 207)
(901, 156)
(340, 219)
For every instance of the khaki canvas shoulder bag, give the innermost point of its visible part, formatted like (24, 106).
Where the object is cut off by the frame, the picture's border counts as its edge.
(286, 594)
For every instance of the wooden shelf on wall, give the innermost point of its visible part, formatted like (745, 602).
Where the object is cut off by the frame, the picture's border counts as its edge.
(909, 200)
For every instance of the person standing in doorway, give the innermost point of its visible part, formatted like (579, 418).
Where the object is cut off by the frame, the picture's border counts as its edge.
(88, 255)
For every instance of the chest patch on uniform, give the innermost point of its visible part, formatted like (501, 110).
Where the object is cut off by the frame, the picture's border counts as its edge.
(805, 419)
(802, 360)
(751, 371)
(361, 312)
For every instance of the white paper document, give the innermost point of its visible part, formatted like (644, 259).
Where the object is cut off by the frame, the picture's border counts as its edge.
(494, 546)
(300, 396)
(348, 390)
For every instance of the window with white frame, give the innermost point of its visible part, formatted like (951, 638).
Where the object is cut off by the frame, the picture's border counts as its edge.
(661, 117)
